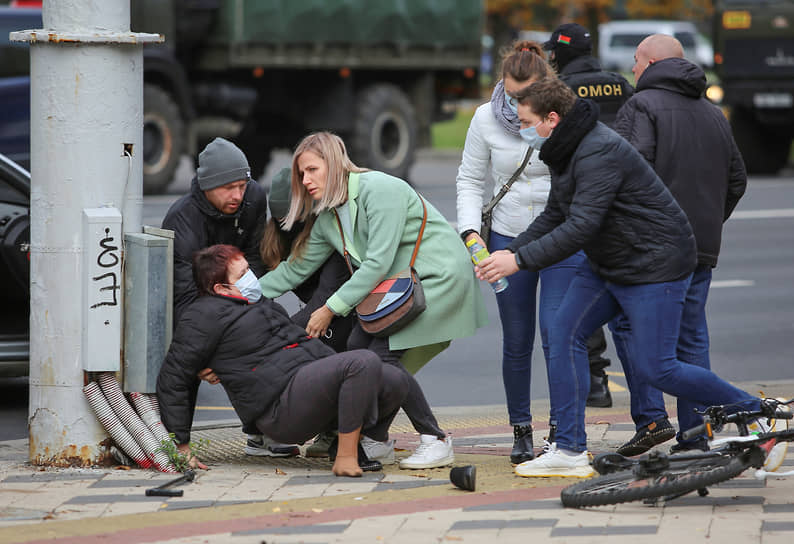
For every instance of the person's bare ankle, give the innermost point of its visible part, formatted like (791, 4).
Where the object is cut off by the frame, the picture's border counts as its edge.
(346, 466)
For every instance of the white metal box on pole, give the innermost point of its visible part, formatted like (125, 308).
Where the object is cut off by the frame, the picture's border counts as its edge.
(102, 295)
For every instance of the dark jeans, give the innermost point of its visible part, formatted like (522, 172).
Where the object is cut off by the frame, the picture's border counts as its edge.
(647, 404)
(654, 313)
(415, 404)
(343, 391)
(517, 314)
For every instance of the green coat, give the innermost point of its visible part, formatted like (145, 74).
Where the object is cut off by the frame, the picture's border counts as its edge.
(386, 214)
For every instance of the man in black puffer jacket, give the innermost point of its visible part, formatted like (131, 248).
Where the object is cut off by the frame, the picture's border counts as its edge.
(606, 200)
(570, 49)
(224, 206)
(288, 385)
(689, 143)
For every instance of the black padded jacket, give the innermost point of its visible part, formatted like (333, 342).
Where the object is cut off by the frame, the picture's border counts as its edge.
(606, 200)
(198, 224)
(254, 349)
(689, 143)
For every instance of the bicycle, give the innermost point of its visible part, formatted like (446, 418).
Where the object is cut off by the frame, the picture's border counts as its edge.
(657, 475)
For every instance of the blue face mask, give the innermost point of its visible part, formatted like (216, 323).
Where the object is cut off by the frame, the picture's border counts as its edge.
(511, 102)
(249, 287)
(531, 136)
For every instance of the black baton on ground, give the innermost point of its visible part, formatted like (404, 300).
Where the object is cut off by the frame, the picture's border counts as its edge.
(162, 491)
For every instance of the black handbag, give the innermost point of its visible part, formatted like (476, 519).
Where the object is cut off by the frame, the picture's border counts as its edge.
(487, 210)
(395, 301)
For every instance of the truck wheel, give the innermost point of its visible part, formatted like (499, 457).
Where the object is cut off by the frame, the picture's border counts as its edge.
(384, 134)
(163, 139)
(764, 149)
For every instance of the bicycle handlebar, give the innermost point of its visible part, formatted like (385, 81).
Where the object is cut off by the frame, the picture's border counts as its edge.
(689, 434)
(740, 417)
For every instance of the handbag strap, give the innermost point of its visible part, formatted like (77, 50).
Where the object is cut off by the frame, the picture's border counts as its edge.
(506, 187)
(416, 246)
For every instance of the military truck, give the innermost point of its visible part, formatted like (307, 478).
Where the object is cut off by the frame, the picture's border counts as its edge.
(754, 59)
(264, 73)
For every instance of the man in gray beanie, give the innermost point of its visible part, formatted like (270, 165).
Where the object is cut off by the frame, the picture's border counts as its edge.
(224, 206)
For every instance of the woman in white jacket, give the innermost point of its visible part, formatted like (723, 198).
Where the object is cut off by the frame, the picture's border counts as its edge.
(494, 141)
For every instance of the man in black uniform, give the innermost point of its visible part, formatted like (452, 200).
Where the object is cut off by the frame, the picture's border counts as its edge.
(569, 50)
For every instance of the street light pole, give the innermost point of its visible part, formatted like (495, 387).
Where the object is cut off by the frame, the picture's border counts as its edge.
(86, 189)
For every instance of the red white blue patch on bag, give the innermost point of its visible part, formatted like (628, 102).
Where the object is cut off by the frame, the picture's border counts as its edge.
(387, 295)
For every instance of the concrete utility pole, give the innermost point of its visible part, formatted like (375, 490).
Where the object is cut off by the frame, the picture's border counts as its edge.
(86, 147)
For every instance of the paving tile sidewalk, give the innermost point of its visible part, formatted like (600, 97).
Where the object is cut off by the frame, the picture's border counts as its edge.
(254, 500)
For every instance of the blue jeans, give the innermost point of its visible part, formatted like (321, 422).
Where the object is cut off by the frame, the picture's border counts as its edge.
(647, 404)
(654, 313)
(517, 314)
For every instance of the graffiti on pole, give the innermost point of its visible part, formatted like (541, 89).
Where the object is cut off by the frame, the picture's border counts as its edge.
(107, 259)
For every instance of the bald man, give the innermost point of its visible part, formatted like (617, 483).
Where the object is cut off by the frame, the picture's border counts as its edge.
(689, 143)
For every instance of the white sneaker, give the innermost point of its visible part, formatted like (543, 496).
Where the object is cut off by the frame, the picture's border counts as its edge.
(378, 451)
(432, 452)
(260, 445)
(554, 463)
(776, 455)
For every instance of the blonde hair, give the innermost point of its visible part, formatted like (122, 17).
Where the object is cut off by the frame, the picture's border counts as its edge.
(331, 149)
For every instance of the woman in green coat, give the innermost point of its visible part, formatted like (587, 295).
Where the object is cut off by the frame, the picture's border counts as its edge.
(381, 216)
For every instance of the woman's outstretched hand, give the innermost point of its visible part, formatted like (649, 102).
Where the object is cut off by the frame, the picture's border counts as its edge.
(193, 461)
(500, 264)
(319, 321)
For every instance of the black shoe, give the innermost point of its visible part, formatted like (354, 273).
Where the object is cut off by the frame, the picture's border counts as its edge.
(552, 433)
(366, 464)
(599, 396)
(647, 437)
(522, 444)
(549, 440)
(700, 444)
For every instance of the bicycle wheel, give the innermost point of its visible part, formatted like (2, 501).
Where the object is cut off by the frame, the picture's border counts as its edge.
(680, 477)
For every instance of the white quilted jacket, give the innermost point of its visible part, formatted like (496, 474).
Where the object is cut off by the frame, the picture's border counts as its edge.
(488, 145)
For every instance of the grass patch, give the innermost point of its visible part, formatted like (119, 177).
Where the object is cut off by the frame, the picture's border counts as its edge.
(452, 134)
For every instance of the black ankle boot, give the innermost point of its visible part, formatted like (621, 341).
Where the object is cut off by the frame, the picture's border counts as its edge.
(599, 396)
(522, 444)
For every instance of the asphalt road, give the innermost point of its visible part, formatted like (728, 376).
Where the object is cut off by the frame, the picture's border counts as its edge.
(750, 309)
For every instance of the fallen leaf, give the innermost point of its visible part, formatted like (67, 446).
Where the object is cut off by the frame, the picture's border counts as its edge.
(122, 467)
(280, 472)
(277, 509)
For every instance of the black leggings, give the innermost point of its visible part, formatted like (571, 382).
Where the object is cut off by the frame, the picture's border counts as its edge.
(345, 391)
(415, 405)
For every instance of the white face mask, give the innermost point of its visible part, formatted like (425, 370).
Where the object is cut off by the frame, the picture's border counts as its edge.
(249, 287)
(511, 102)
(531, 136)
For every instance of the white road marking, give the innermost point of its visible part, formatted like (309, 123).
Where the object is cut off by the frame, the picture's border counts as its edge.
(763, 214)
(732, 283)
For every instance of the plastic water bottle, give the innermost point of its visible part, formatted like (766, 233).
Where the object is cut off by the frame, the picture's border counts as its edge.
(479, 253)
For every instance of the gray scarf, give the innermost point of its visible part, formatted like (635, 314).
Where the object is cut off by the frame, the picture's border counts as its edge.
(502, 111)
